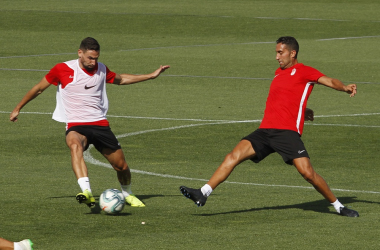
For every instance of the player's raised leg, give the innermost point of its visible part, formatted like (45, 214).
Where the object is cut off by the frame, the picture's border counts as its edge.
(240, 153)
(117, 159)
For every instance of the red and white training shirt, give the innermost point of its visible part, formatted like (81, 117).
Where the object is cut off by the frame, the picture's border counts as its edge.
(81, 95)
(288, 95)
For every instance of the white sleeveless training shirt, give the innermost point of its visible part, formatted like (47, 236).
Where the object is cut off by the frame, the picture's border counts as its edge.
(81, 98)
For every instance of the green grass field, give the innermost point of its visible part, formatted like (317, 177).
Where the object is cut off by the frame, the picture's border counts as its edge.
(177, 129)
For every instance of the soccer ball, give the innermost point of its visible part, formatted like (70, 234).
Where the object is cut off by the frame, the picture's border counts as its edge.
(112, 201)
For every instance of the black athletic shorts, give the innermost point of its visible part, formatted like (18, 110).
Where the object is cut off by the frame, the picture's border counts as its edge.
(101, 137)
(285, 142)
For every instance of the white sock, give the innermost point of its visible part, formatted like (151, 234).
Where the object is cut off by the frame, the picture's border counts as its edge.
(84, 183)
(337, 205)
(126, 190)
(16, 246)
(206, 190)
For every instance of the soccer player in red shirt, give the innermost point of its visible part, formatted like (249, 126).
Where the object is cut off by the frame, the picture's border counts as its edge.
(281, 127)
(82, 104)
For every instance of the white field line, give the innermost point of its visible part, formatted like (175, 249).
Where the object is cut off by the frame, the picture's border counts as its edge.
(191, 76)
(140, 49)
(226, 121)
(343, 125)
(303, 19)
(363, 114)
(194, 15)
(57, 54)
(347, 38)
(200, 45)
(38, 70)
(222, 77)
(188, 46)
(88, 158)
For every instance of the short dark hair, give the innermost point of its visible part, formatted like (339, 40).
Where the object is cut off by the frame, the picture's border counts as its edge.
(290, 42)
(89, 43)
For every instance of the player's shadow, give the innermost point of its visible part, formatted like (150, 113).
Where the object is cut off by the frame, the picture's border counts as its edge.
(319, 206)
(146, 197)
(97, 210)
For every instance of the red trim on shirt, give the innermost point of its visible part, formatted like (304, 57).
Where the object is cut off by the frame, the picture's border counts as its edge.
(92, 72)
(63, 74)
(110, 76)
(103, 123)
(60, 74)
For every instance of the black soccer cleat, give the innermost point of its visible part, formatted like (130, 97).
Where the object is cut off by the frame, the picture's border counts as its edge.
(348, 212)
(194, 194)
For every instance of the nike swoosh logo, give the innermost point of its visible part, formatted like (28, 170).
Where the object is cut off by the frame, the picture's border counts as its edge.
(86, 87)
(300, 152)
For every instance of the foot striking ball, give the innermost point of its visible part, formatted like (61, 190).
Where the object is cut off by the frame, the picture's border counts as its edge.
(112, 201)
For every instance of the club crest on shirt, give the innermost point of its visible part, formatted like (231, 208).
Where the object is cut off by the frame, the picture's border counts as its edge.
(293, 72)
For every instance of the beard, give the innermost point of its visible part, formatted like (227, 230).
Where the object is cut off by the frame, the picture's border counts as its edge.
(89, 67)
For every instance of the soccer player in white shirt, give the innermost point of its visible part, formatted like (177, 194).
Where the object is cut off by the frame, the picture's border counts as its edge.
(82, 104)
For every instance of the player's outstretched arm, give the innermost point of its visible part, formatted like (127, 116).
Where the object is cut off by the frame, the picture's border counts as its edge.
(338, 85)
(33, 93)
(125, 79)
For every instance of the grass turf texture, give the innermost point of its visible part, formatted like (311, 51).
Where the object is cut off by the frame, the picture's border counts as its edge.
(222, 59)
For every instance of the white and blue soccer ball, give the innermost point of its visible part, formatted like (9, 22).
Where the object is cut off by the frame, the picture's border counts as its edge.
(112, 201)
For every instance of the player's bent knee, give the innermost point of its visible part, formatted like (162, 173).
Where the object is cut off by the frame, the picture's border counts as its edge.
(75, 147)
(309, 176)
(120, 167)
(232, 158)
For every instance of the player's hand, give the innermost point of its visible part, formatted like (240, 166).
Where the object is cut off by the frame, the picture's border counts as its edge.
(309, 115)
(351, 89)
(160, 70)
(13, 116)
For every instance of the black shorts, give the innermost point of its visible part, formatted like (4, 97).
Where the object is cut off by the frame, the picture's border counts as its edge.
(101, 137)
(285, 142)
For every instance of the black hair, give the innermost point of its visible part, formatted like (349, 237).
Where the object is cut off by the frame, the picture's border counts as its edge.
(89, 43)
(290, 42)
